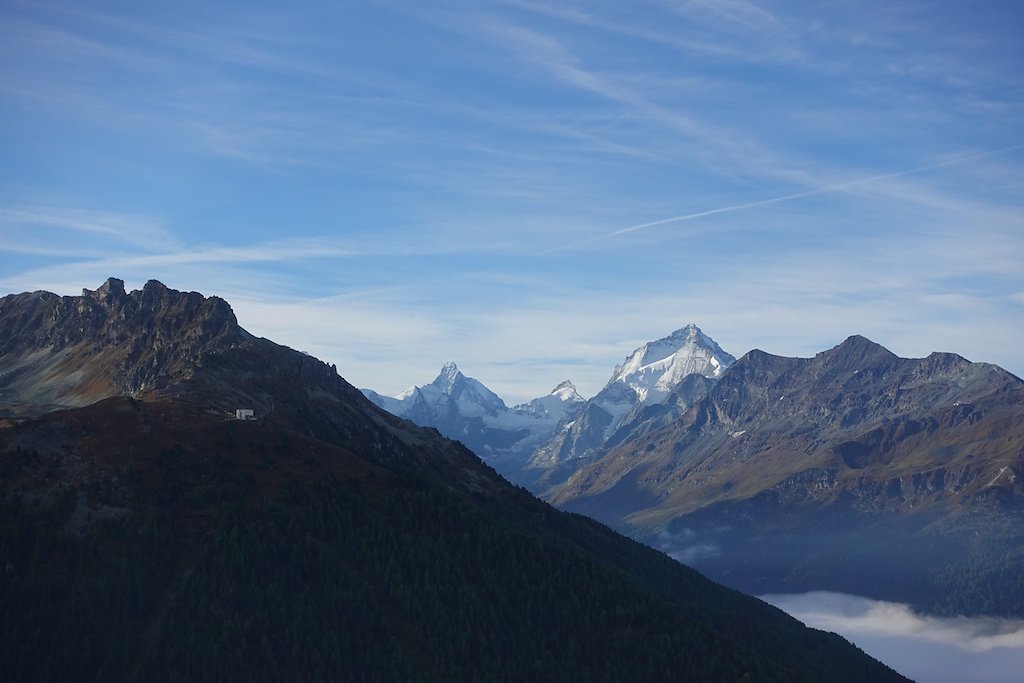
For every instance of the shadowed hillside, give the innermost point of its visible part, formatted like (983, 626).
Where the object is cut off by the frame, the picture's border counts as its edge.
(149, 536)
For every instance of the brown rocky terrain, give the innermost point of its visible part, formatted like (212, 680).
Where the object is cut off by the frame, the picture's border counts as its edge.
(159, 344)
(895, 433)
(856, 436)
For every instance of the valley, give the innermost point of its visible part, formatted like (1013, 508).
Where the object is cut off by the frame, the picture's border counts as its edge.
(854, 471)
(149, 534)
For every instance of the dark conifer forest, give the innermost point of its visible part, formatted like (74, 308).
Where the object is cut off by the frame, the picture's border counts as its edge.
(210, 562)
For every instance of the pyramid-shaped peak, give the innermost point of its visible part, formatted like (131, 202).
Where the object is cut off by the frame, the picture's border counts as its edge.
(448, 376)
(858, 340)
(857, 351)
(653, 369)
(690, 334)
(566, 391)
(857, 343)
(688, 337)
(688, 330)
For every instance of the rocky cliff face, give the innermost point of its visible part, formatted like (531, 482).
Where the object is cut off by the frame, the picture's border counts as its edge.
(855, 471)
(855, 421)
(71, 351)
(159, 344)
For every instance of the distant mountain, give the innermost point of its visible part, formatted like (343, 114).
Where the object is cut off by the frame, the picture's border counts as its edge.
(147, 534)
(655, 368)
(462, 408)
(898, 462)
(651, 387)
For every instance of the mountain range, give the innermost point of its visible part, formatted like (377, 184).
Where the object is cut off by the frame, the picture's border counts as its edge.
(153, 528)
(855, 471)
(540, 443)
(894, 433)
(462, 408)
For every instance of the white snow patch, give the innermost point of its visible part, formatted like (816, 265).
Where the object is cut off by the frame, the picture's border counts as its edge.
(1003, 470)
(654, 369)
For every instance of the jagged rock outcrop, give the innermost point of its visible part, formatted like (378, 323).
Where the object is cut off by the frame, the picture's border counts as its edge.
(64, 351)
(158, 344)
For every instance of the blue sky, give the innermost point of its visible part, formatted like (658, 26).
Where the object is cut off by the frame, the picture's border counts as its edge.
(529, 188)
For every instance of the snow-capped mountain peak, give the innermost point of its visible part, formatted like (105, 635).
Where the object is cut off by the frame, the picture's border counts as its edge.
(462, 408)
(447, 378)
(447, 383)
(469, 395)
(656, 367)
(566, 391)
(649, 375)
(562, 400)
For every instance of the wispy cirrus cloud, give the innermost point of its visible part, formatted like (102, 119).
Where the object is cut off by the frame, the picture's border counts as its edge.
(627, 26)
(781, 176)
(33, 228)
(742, 12)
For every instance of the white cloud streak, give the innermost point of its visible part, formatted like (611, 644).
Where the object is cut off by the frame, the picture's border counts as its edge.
(741, 12)
(46, 223)
(837, 187)
(448, 180)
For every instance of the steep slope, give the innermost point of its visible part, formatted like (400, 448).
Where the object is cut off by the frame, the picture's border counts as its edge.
(656, 367)
(462, 408)
(158, 344)
(854, 438)
(653, 375)
(562, 399)
(451, 393)
(150, 536)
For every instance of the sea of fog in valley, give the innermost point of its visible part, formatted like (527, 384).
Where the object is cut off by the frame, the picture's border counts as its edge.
(926, 648)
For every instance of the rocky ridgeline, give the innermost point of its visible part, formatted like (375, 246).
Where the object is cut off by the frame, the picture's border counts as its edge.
(70, 351)
(113, 342)
(164, 346)
(855, 421)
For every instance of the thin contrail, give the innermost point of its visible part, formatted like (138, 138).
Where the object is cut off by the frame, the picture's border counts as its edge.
(788, 197)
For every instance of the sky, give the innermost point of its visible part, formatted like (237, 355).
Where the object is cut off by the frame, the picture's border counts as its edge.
(528, 188)
(926, 648)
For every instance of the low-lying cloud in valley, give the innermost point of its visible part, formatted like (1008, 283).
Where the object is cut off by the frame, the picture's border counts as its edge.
(927, 648)
(684, 547)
